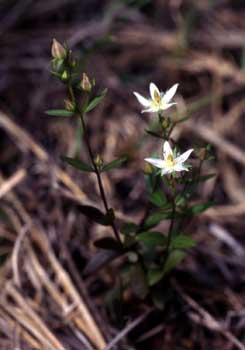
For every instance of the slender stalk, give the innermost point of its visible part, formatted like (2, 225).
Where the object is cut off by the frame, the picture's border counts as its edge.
(92, 158)
(98, 175)
(170, 230)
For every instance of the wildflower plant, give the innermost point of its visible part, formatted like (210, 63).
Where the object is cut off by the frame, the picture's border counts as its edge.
(151, 252)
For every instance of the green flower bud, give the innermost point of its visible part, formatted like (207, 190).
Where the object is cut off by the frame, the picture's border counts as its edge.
(148, 169)
(64, 76)
(98, 161)
(165, 122)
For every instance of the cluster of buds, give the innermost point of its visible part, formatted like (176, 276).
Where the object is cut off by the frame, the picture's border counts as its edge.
(65, 67)
(62, 62)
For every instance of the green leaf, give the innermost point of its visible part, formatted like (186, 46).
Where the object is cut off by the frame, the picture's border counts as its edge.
(59, 113)
(152, 238)
(198, 179)
(174, 258)
(180, 200)
(129, 228)
(156, 218)
(154, 276)
(95, 101)
(114, 164)
(151, 181)
(78, 164)
(95, 214)
(198, 208)
(108, 243)
(182, 242)
(138, 281)
(152, 133)
(158, 198)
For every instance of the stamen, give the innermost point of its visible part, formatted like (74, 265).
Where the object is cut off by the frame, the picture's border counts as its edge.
(157, 97)
(170, 160)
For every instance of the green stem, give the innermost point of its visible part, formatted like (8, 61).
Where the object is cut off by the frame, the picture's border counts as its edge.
(171, 228)
(96, 170)
(98, 175)
(71, 92)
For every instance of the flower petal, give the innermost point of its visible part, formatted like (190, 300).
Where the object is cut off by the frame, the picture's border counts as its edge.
(142, 100)
(167, 150)
(183, 157)
(154, 90)
(169, 94)
(165, 106)
(180, 167)
(159, 163)
(148, 110)
(164, 172)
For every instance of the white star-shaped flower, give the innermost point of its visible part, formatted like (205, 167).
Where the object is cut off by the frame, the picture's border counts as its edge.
(159, 101)
(170, 163)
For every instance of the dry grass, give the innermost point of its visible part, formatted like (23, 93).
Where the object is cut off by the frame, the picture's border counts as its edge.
(45, 300)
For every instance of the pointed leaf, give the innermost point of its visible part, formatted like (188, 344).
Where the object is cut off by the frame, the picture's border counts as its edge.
(95, 214)
(78, 164)
(198, 208)
(154, 134)
(114, 164)
(174, 258)
(129, 228)
(138, 281)
(156, 218)
(59, 113)
(95, 101)
(158, 198)
(182, 242)
(154, 276)
(152, 238)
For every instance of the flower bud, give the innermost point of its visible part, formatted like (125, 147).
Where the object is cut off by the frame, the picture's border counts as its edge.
(58, 50)
(69, 106)
(132, 257)
(165, 122)
(64, 76)
(98, 161)
(85, 83)
(148, 169)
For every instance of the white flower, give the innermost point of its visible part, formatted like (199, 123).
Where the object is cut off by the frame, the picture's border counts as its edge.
(159, 101)
(169, 163)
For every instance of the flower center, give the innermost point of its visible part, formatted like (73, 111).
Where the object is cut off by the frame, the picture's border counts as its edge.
(157, 97)
(170, 161)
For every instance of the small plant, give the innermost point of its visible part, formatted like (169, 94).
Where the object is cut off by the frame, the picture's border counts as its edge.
(171, 183)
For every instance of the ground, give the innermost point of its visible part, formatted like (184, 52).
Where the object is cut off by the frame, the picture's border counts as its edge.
(49, 297)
